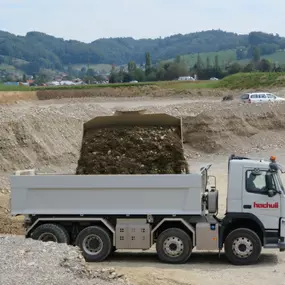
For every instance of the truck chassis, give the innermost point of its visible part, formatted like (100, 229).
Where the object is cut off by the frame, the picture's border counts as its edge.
(175, 237)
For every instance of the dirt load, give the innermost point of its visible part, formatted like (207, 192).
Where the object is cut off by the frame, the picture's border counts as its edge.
(132, 150)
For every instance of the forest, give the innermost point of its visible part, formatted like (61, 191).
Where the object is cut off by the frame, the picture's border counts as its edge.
(38, 50)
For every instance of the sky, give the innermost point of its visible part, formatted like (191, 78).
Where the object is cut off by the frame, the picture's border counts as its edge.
(88, 20)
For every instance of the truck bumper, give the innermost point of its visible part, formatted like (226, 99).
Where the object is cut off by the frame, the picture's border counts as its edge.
(281, 245)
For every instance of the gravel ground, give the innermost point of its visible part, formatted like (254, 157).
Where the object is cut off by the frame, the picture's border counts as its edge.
(29, 262)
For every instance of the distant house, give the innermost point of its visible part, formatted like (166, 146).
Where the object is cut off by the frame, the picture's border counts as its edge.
(10, 83)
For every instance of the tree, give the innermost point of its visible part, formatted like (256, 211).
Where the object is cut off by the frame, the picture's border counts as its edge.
(178, 59)
(90, 72)
(256, 55)
(241, 53)
(249, 67)
(234, 68)
(147, 63)
(217, 65)
(132, 66)
(199, 63)
(208, 64)
(24, 78)
(265, 65)
(139, 75)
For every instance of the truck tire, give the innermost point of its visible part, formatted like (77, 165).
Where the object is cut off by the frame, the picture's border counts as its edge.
(95, 243)
(242, 247)
(51, 232)
(174, 246)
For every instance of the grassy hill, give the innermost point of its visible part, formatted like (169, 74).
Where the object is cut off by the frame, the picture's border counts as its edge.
(229, 56)
(278, 57)
(37, 50)
(105, 68)
(225, 57)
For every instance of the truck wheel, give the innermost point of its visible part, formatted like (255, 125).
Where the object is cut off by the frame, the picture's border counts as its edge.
(95, 243)
(242, 247)
(174, 246)
(51, 232)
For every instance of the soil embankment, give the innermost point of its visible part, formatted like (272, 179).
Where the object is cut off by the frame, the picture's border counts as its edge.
(50, 135)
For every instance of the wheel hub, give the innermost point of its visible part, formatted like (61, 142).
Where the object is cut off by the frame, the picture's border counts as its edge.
(92, 244)
(173, 246)
(45, 237)
(242, 247)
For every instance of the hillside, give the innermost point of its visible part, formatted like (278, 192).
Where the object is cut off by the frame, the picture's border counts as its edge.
(38, 50)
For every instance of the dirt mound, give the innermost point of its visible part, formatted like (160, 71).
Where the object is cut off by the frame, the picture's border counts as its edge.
(43, 136)
(8, 97)
(9, 225)
(108, 92)
(236, 127)
(136, 150)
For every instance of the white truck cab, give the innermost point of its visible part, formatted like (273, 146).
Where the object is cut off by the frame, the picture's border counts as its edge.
(103, 213)
(255, 199)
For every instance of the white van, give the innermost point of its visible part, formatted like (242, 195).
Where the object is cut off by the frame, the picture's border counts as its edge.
(260, 97)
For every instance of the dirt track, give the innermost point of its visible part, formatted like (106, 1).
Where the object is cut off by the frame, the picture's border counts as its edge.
(47, 135)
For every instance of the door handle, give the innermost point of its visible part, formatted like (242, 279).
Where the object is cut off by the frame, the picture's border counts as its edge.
(247, 206)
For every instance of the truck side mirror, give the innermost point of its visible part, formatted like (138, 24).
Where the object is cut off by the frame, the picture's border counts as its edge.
(271, 193)
(268, 179)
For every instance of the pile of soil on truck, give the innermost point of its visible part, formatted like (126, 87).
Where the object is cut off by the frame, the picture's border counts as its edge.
(132, 150)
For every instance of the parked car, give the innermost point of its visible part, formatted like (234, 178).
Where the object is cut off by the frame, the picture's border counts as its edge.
(260, 97)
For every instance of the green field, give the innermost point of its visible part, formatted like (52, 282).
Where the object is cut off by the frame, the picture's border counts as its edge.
(236, 81)
(7, 67)
(253, 80)
(15, 88)
(278, 57)
(227, 57)
(105, 68)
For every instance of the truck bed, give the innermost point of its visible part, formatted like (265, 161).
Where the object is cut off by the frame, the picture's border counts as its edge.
(106, 194)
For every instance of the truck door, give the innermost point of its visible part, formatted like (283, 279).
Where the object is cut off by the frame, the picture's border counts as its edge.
(256, 200)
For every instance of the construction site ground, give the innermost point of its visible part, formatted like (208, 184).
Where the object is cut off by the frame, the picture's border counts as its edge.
(46, 135)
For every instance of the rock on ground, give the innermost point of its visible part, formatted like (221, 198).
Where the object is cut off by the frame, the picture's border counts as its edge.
(30, 262)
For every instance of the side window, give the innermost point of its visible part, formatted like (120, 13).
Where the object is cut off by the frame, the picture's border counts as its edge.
(254, 96)
(256, 182)
(263, 96)
(245, 96)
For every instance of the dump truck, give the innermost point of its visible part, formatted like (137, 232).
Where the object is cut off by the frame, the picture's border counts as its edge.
(175, 212)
